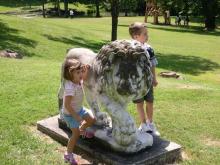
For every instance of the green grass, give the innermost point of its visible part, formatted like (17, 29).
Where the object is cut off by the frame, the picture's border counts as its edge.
(20, 7)
(187, 111)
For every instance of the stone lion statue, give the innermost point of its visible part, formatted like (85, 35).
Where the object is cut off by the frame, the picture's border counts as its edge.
(118, 74)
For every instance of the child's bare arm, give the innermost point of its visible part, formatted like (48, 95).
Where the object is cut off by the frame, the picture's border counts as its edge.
(154, 76)
(67, 104)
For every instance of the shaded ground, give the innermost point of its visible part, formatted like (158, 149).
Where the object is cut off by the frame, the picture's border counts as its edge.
(193, 65)
(78, 41)
(10, 39)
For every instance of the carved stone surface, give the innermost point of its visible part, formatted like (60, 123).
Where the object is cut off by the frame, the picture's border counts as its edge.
(162, 152)
(119, 73)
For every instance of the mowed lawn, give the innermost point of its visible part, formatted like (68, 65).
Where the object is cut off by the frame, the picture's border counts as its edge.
(187, 111)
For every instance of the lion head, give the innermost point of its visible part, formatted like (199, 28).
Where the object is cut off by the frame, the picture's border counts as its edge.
(123, 68)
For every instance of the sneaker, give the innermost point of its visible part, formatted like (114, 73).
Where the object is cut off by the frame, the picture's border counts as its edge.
(68, 158)
(154, 129)
(145, 128)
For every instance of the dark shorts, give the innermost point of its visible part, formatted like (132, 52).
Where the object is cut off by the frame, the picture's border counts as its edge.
(149, 97)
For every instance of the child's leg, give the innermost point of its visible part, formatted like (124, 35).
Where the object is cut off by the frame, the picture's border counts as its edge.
(149, 105)
(73, 139)
(68, 156)
(87, 122)
(143, 126)
(150, 123)
(149, 111)
(140, 109)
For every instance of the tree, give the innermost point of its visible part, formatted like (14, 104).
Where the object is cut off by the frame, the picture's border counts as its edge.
(56, 6)
(140, 9)
(43, 7)
(165, 6)
(207, 8)
(97, 3)
(29, 2)
(114, 13)
(152, 8)
(66, 13)
(128, 5)
(210, 10)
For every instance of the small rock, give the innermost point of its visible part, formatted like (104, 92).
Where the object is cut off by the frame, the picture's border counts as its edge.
(10, 54)
(170, 74)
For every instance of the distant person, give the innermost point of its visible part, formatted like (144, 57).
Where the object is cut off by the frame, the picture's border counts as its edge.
(178, 20)
(167, 17)
(76, 117)
(71, 14)
(186, 20)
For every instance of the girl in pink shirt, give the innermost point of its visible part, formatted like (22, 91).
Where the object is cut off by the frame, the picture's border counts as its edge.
(76, 117)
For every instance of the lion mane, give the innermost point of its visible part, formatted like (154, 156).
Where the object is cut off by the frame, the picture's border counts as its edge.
(124, 64)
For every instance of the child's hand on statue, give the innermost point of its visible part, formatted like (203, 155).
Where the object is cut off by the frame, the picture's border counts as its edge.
(78, 118)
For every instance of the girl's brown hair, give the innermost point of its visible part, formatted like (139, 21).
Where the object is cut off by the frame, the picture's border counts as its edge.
(69, 66)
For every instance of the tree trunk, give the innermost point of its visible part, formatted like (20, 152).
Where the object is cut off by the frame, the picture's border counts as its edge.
(165, 18)
(156, 13)
(97, 8)
(210, 22)
(156, 17)
(146, 13)
(43, 10)
(114, 13)
(66, 14)
(126, 13)
(29, 2)
(209, 9)
(58, 7)
(145, 17)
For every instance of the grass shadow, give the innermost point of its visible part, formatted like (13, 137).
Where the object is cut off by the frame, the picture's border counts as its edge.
(186, 64)
(185, 29)
(78, 42)
(9, 39)
(13, 3)
(201, 19)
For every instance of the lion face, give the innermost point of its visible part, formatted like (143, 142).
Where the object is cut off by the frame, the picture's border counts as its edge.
(125, 68)
(131, 78)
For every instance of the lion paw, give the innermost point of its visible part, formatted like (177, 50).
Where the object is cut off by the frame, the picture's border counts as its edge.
(102, 119)
(125, 132)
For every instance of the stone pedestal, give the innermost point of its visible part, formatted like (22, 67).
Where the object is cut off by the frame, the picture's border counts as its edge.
(162, 151)
(103, 135)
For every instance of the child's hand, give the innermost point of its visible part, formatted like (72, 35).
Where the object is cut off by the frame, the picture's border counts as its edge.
(78, 118)
(155, 82)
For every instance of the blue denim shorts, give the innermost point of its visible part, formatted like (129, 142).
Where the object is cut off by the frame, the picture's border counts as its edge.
(71, 122)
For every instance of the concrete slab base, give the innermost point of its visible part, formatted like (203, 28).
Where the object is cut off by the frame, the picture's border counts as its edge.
(162, 152)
